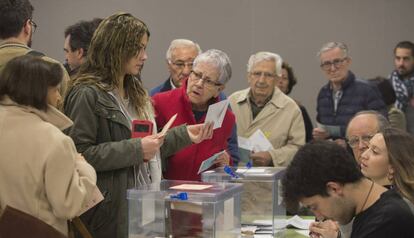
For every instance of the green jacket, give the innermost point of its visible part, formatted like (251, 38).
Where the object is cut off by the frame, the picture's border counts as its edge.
(101, 133)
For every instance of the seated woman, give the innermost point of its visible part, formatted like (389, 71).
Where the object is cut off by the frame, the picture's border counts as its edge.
(285, 84)
(211, 71)
(40, 171)
(389, 161)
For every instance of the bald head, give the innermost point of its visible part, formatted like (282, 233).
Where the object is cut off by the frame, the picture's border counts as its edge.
(360, 130)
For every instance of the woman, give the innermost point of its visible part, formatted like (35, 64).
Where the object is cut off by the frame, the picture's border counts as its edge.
(389, 161)
(40, 171)
(211, 71)
(103, 101)
(285, 84)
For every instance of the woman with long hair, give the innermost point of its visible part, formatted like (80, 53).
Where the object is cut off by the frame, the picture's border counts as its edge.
(104, 99)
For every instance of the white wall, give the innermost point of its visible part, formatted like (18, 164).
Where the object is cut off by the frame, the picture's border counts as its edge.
(295, 29)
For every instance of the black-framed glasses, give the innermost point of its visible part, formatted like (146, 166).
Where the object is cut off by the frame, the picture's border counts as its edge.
(355, 140)
(258, 74)
(327, 65)
(182, 64)
(34, 25)
(207, 82)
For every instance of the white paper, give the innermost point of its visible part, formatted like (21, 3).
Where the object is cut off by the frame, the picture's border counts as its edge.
(168, 125)
(206, 164)
(295, 221)
(244, 143)
(216, 113)
(260, 142)
(334, 131)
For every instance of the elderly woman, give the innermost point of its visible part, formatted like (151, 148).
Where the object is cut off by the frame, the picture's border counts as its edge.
(285, 84)
(40, 171)
(211, 71)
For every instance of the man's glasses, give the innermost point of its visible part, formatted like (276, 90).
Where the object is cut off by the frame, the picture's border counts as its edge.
(266, 75)
(207, 82)
(354, 141)
(34, 25)
(182, 64)
(327, 65)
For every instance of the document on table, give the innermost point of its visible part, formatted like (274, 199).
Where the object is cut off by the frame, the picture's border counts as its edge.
(216, 113)
(294, 222)
(206, 164)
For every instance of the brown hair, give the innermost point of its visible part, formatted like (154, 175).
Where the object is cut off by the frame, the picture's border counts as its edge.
(26, 79)
(400, 147)
(116, 40)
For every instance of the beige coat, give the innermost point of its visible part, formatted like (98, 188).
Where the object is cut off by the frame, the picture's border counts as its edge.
(39, 172)
(280, 120)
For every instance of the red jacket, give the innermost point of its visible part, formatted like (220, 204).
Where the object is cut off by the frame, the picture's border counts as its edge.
(184, 164)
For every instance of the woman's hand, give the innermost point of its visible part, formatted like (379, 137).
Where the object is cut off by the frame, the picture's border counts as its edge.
(223, 159)
(150, 146)
(200, 132)
(325, 229)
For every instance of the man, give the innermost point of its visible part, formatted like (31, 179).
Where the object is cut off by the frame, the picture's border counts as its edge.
(343, 96)
(361, 128)
(16, 30)
(326, 179)
(77, 40)
(263, 106)
(180, 57)
(402, 79)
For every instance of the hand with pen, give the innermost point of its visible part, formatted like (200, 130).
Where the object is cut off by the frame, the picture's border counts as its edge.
(324, 229)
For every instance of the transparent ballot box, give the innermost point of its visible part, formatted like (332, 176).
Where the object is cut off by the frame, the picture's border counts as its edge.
(184, 209)
(261, 201)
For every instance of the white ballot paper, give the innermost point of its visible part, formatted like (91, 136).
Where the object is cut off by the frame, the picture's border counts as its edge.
(167, 126)
(256, 142)
(209, 162)
(216, 113)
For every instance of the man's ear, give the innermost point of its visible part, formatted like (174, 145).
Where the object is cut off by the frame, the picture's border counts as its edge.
(79, 53)
(334, 188)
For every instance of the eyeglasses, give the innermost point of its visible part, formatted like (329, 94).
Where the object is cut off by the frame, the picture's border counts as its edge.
(182, 65)
(34, 25)
(266, 75)
(327, 65)
(354, 141)
(207, 82)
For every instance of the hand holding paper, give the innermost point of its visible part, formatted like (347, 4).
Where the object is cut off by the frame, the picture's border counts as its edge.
(206, 164)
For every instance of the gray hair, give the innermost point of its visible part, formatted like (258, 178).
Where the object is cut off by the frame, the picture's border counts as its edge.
(332, 45)
(181, 43)
(382, 120)
(265, 56)
(220, 60)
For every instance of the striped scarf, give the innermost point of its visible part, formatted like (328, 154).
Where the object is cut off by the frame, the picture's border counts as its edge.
(403, 90)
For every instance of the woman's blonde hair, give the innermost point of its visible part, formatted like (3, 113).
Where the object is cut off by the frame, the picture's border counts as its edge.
(400, 147)
(116, 40)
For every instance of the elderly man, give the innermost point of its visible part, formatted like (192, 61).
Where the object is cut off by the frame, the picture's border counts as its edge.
(263, 106)
(361, 128)
(180, 57)
(326, 179)
(402, 79)
(344, 94)
(211, 71)
(77, 40)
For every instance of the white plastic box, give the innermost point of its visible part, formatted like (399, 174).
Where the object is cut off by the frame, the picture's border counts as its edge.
(261, 201)
(211, 210)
